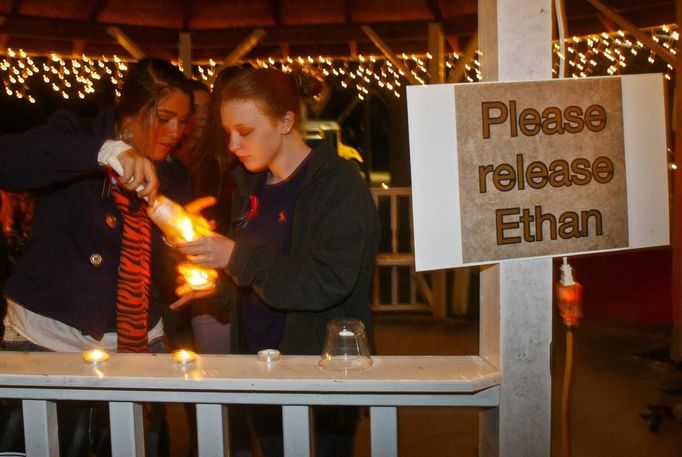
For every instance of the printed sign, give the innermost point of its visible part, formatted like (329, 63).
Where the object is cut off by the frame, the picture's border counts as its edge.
(524, 169)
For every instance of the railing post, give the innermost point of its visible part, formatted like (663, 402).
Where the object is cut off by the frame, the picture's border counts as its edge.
(127, 430)
(40, 428)
(384, 429)
(439, 287)
(212, 430)
(296, 428)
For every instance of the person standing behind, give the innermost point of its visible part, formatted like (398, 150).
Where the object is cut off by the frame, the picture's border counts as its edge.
(177, 324)
(89, 225)
(303, 244)
(185, 151)
(212, 177)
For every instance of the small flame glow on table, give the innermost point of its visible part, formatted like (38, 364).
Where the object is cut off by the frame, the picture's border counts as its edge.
(183, 356)
(95, 356)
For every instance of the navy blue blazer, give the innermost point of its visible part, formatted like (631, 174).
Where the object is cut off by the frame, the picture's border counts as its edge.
(69, 270)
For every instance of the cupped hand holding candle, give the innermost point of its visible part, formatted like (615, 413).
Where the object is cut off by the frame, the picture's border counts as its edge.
(205, 254)
(212, 251)
(179, 224)
(185, 224)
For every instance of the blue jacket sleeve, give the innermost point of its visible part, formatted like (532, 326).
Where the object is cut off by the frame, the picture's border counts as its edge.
(65, 148)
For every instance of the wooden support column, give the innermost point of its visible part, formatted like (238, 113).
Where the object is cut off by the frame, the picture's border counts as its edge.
(437, 51)
(515, 38)
(185, 53)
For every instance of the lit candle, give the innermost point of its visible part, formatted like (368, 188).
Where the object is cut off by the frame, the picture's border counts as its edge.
(183, 356)
(95, 356)
(196, 277)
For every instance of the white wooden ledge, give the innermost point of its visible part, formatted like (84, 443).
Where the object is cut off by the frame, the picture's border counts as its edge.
(392, 380)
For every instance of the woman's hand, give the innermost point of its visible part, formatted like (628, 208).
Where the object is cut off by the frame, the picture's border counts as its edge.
(187, 294)
(139, 174)
(212, 251)
(201, 203)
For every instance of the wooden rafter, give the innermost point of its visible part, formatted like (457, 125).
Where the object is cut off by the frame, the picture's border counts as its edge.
(453, 41)
(125, 42)
(465, 59)
(388, 53)
(244, 47)
(216, 36)
(629, 27)
(37, 28)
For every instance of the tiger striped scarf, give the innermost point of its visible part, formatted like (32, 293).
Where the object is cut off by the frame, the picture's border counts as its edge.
(132, 296)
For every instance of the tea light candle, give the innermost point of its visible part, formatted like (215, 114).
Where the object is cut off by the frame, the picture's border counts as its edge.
(197, 278)
(95, 356)
(183, 356)
(268, 356)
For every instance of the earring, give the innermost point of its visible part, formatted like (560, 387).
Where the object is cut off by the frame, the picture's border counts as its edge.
(126, 136)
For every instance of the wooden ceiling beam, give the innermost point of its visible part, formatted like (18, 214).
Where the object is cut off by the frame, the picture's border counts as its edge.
(125, 42)
(49, 28)
(389, 54)
(243, 48)
(60, 29)
(45, 35)
(464, 60)
(628, 26)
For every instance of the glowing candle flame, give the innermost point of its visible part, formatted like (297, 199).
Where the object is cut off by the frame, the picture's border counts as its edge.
(197, 278)
(183, 356)
(95, 356)
(186, 228)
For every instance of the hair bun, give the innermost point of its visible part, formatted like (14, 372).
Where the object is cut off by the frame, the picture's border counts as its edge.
(307, 85)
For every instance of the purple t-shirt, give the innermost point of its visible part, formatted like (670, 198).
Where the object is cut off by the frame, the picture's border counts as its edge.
(262, 326)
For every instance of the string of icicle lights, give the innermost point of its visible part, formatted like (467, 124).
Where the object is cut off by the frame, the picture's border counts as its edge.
(77, 77)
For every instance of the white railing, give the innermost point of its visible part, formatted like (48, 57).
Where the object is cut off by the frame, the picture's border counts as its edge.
(215, 381)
